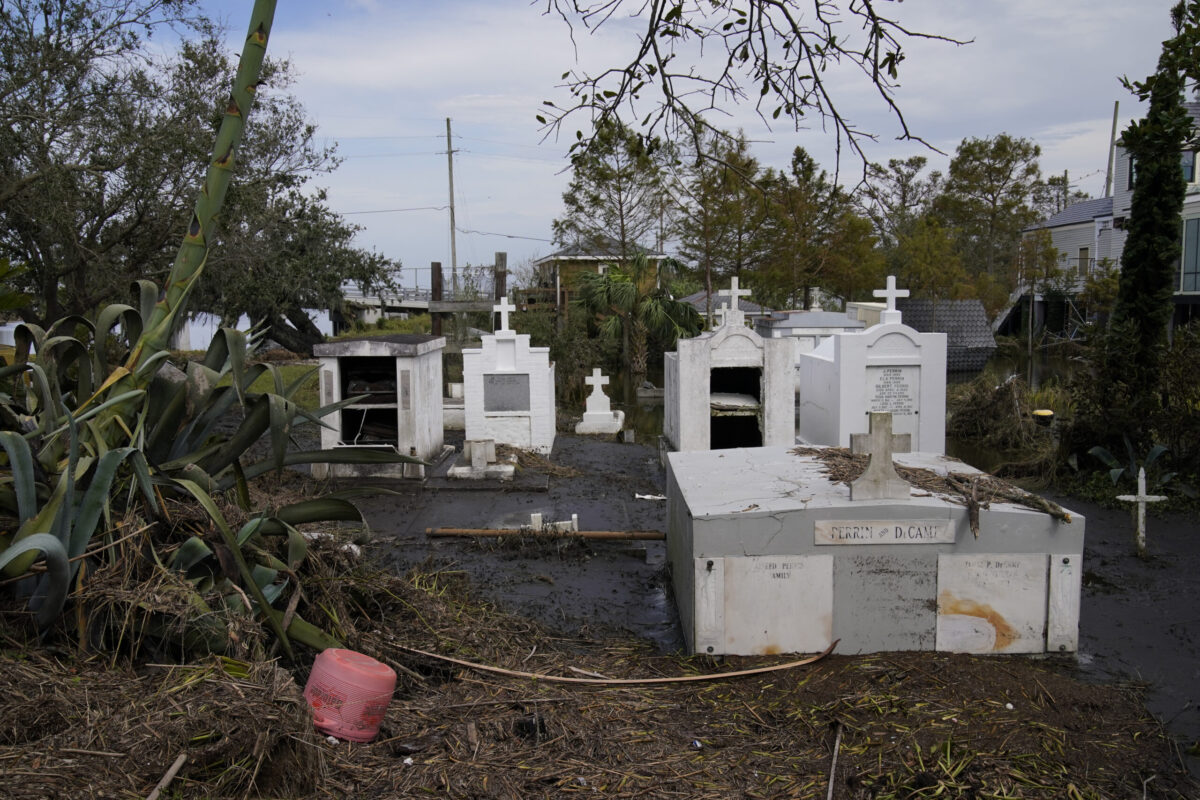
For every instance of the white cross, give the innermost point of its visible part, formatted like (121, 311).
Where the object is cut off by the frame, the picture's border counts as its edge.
(1141, 498)
(596, 380)
(502, 308)
(891, 315)
(733, 293)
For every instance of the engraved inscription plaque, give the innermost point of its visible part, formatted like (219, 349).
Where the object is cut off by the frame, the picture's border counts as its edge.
(873, 531)
(893, 390)
(506, 392)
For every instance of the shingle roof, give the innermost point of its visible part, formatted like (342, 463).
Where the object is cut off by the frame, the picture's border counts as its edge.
(969, 340)
(602, 251)
(1083, 211)
(696, 301)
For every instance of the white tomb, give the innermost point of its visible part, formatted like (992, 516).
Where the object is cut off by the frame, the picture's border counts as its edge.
(729, 387)
(598, 416)
(399, 381)
(769, 555)
(889, 368)
(508, 389)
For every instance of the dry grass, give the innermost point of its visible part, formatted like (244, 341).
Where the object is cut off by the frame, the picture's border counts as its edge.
(911, 724)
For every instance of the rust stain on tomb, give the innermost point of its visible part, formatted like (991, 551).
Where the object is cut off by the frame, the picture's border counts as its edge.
(1006, 634)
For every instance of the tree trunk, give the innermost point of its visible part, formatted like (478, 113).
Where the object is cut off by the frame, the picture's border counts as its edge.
(296, 332)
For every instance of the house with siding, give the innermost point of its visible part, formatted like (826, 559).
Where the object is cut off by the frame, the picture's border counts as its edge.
(556, 276)
(1089, 232)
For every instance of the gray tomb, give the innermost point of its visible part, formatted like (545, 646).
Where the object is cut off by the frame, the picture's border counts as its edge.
(729, 387)
(400, 380)
(769, 555)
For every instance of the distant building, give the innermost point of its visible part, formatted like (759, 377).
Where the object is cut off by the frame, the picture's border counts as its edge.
(1092, 231)
(699, 301)
(556, 276)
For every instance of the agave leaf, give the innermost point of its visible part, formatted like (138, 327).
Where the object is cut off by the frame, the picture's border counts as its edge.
(148, 293)
(297, 548)
(1106, 457)
(95, 501)
(1153, 455)
(273, 617)
(190, 553)
(93, 411)
(57, 581)
(66, 326)
(1116, 474)
(319, 509)
(110, 317)
(20, 460)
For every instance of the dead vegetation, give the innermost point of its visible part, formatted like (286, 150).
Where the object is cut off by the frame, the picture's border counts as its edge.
(899, 725)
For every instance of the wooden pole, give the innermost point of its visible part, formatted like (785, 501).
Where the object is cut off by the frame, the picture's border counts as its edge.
(499, 283)
(435, 295)
(626, 535)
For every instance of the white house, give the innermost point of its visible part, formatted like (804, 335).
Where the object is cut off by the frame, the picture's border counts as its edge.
(1091, 231)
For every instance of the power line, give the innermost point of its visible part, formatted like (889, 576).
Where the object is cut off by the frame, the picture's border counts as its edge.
(505, 235)
(396, 210)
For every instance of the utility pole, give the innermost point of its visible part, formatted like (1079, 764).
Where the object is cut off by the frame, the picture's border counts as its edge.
(453, 254)
(1112, 145)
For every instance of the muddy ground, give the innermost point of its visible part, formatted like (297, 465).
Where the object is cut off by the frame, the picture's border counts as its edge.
(1139, 624)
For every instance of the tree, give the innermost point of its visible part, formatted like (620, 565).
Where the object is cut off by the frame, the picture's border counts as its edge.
(988, 199)
(615, 197)
(720, 211)
(896, 197)
(690, 57)
(810, 229)
(104, 144)
(624, 309)
(926, 262)
(83, 125)
(285, 258)
(1138, 327)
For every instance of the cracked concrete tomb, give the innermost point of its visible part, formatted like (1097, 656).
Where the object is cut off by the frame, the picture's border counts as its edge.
(768, 555)
(889, 367)
(729, 388)
(398, 382)
(508, 389)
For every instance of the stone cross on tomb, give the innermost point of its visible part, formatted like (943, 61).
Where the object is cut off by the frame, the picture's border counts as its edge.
(596, 380)
(734, 313)
(879, 480)
(1141, 498)
(891, 315)
(502, 308)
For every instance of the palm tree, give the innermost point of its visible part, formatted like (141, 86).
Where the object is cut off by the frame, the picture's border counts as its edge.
(624, 307)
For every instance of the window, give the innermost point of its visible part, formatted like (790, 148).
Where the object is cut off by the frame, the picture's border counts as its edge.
(1085, 261)
(1188, 164)
(1190, 279)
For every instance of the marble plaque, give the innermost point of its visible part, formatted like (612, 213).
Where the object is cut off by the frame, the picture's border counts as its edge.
(992, 603)
(875, 531)
(503, 392)
(894, 390)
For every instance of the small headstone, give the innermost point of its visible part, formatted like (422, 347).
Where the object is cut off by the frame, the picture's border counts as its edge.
(1141, 498)
(732, 314)
(599, 416)
(879, 481)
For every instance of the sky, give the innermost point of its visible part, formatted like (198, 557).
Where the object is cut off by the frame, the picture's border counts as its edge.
(380, 78)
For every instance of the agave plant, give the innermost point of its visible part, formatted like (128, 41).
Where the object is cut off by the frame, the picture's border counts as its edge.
(98, 427)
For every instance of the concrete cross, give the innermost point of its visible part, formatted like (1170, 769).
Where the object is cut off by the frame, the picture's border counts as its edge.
(596, 380)
(891, 315)
(879, 480)
(1141, 498)
(733, 313)
(502, 308)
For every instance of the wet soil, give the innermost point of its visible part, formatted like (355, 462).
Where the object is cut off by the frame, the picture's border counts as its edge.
(1139, 623)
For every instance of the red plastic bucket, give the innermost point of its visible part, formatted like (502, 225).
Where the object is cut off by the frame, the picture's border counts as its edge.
(349, 694)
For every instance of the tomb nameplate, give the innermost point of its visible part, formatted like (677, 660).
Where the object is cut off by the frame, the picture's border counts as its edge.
(506, 392)
(893, 390)
(874, 531)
